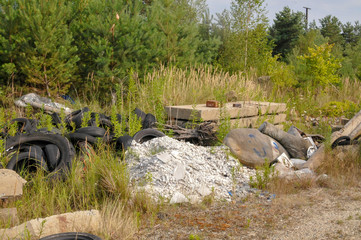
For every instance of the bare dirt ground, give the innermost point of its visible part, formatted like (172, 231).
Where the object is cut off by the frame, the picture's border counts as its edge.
(317, 213)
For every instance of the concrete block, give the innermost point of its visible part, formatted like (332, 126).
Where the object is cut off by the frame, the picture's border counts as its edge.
(81, 221)
(11, 184)
(9, 215)
(246, 109)
(257, 121)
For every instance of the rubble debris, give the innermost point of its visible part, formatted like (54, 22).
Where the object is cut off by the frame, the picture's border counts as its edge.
(252, 147)
(41, 102)
(180, 171)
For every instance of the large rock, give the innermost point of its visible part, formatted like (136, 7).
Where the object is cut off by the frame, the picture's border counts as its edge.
(11, 184)
(81, 221)
(252, 147)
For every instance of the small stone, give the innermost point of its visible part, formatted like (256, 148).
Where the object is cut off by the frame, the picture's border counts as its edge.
(204, 191)
(178, 198)
(179, 172)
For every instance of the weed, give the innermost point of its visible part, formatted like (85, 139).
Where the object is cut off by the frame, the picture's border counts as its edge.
(263, 176)
(85, 119)
(194, 237)
(248, 223)
(209, 199)
(224, 124)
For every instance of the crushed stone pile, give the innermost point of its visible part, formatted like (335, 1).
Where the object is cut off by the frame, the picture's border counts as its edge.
(182, 172)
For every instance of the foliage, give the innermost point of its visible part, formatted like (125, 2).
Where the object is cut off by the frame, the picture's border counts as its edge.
(320, 67)
(286, 30)
(331, 28)
(247, 42)
(48, 56)
(337, 109)
(263, 176)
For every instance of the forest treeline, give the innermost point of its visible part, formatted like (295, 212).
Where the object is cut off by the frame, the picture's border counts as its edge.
(60, 46)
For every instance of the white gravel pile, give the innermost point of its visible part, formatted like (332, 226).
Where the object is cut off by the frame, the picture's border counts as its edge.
(182, 172)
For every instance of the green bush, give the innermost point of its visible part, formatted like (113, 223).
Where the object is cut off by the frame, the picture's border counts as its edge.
(337, 109)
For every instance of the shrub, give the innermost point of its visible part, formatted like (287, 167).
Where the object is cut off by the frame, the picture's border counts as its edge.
(320, 67)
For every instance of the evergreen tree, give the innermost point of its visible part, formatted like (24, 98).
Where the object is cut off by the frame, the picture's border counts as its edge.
(349, 34)
(209, 42)
(48, 57)
(10, 36)
(331, 28)
(286, 30)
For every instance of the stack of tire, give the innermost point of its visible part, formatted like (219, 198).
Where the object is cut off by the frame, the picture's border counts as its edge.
(32, 149)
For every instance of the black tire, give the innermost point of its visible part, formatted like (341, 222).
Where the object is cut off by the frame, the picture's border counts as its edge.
(123, 142)
(75, 138)
(52, 155)
(56, 118)
(147, 134)
(92, 131)
(38, 138)
(71, 236)
(76, 117)
(45, 130)
(24, 125)
(28, 160)
(341, 141)
(149, 121)
(140, 114)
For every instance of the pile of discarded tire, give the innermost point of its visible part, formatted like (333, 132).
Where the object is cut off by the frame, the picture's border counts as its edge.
(32, 149)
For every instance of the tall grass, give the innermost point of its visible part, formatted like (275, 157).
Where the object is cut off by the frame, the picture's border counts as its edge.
(194, 86)
(97, 180)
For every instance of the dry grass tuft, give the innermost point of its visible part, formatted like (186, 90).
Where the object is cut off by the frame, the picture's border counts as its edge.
(195, 85)
(343, 165)
(118, 222)
(281, 186)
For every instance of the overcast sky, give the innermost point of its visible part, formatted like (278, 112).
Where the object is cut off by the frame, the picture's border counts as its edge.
(344, 10)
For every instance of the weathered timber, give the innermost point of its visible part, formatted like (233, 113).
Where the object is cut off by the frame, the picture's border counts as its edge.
(202, 134)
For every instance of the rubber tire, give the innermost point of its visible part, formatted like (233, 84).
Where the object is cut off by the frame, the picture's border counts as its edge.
(76, 117)
(92, 131)
(32, 155)
(140, 114)
(123, 142)
(65, 147)
(341, 141)
(24, 125)
(149, 121)
(145, 135)
(71, 236)
(52, 155)
(81, 137)
(56, 118)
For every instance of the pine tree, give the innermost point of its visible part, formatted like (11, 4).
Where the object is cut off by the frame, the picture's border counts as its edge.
(48, 58)
(10, 36)
(331, 28)
(286, 30)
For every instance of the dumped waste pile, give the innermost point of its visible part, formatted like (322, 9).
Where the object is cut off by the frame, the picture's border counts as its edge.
(183, 172)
